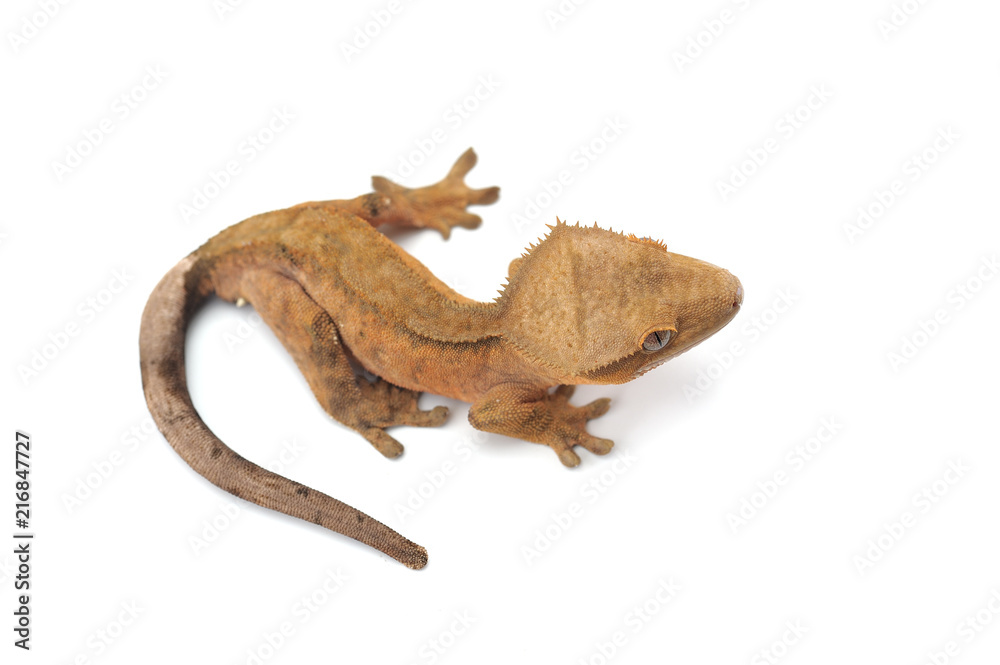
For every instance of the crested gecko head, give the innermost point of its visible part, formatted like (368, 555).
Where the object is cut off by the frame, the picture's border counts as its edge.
(596, 306)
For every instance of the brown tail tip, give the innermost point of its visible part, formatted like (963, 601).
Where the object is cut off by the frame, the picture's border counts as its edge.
(414, 559)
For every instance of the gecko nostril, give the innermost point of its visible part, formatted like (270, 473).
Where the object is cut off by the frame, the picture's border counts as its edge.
(739, 296)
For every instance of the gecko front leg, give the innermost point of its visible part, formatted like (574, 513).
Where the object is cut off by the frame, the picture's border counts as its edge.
(534, 414)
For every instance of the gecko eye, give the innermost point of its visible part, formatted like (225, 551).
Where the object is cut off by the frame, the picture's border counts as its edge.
(656, 340)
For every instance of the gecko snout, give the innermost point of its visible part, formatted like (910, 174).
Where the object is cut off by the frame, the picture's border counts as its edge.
(738, 297)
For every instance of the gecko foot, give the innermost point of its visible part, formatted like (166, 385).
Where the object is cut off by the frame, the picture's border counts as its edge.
(534, 414)
(386, 405)
(569, 426)
(441, 206)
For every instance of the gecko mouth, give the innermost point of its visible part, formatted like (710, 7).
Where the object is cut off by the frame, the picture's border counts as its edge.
(645, 368)
(654, 364)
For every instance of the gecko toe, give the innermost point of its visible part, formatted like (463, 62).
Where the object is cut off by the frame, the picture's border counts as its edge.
(467, 220)
(484, 196)
(441, 228)
(597, 445)
(463, 165)
(433, 418)
(417, 418)
(564, 392)
(597, 408)
(383, 443)
(568, 457)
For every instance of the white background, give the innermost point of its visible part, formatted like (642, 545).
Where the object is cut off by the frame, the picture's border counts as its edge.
(804, 559)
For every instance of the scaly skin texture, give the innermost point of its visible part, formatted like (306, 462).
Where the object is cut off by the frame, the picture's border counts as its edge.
(583, 306)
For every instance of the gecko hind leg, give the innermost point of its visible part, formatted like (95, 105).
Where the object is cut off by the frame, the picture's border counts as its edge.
(308, 332)
(441, 206)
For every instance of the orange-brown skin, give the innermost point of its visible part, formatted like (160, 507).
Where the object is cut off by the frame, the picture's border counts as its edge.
(584, 306)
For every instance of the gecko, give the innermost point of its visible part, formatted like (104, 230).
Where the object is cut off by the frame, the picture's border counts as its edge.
(583, 305)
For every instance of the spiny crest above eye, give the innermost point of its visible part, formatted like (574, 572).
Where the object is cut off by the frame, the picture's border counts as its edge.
(647, 240)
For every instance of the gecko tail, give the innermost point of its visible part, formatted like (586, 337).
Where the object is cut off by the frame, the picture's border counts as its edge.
(161, 354)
